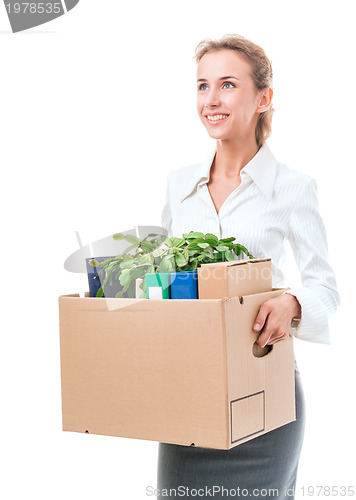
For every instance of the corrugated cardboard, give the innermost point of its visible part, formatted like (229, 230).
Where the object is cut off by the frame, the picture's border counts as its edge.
(175, 371)
(234, 278)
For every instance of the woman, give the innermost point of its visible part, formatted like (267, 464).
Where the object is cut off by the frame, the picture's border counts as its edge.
(243, 191)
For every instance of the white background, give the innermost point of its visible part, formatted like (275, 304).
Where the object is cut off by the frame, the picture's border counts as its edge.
(96, 107)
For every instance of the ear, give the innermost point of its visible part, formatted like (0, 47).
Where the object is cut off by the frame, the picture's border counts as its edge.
(265, 100)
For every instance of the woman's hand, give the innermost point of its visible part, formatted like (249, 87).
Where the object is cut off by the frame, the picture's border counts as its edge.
(275, 318)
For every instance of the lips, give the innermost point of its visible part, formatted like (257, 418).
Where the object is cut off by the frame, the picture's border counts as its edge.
(216, 118)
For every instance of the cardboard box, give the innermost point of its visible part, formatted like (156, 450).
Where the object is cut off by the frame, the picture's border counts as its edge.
(234, 278)
(176, 371)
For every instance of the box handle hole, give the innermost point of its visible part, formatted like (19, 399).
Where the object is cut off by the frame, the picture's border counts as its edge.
(260, 352)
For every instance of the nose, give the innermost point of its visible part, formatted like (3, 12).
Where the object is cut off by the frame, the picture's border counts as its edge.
(212, 99)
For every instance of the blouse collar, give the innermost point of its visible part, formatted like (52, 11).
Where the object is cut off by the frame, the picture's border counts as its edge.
(262, 169)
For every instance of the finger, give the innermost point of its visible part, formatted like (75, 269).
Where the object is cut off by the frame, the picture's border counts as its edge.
(270, 337)
(274, 340)
(269, 332)
(261, 318)
(264, 338)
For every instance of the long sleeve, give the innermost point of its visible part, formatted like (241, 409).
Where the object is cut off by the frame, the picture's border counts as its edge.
(166, 217)
(318, 295)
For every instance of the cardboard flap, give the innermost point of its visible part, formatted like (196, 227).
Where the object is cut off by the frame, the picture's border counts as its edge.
(261, 389)
(70, 295)
(237, 262)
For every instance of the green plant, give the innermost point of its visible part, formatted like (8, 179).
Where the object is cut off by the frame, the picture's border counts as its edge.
(160, 254)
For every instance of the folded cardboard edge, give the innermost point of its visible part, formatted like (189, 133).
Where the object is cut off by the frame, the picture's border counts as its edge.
(224, 299)
(226, 437)
(242, 297)
(237, 262)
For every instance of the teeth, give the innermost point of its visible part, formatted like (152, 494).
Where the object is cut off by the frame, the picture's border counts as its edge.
(216, 118)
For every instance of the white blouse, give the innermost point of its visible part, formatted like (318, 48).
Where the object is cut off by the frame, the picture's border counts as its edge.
(273, 203)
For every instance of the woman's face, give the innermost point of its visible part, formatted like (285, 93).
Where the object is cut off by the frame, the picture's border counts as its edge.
(227, 100)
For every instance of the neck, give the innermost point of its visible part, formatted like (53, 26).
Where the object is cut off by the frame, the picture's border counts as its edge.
(232, 156)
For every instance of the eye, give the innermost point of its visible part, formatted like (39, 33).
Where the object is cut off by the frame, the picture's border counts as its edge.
(228, 83)
(203, 86)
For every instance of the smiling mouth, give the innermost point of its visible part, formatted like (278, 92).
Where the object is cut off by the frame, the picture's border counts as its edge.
(216, 118)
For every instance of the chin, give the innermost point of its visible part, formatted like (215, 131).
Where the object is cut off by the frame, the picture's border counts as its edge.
(216, 135)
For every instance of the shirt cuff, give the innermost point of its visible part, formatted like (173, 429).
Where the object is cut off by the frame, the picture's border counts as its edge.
(313, 325)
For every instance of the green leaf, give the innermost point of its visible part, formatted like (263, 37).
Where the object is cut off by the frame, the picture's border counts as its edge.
(166, 266)
(203, 245)
(106, 279)
(245, 251)
(228, 255)
(94, 263)
(212, 243)
(178, 242)
(180, 260)
(118, 236)
(125, 278)
(193, 235)
(127, 258)
(132, 239)
(100, 292)
(209, 253)
(144, 267)
(212, 237)
(167, 242)
(126, 251)
(222, 248)
(147, 246)
(193, 245)
(112, 266)
(227, 240)
(126, 264)
(137, 272)
(145, 259)
(126, 287)
(118, 257)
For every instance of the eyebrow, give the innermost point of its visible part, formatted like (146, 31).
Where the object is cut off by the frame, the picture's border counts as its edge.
(222, 78)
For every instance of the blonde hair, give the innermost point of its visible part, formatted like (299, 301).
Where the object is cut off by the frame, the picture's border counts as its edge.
(261, 72)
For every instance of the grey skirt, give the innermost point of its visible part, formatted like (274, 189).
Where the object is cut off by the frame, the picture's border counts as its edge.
(264, 467)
